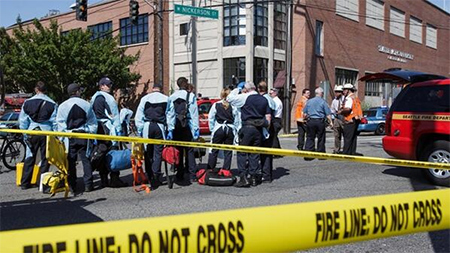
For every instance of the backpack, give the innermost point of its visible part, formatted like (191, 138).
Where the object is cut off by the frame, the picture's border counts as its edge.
(98, 155)
(53, 182)
(171, 155)
(182, 115)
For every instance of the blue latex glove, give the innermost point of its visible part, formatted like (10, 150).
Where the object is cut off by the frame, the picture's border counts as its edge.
(241, 85)
(196, 134)
(169, 135)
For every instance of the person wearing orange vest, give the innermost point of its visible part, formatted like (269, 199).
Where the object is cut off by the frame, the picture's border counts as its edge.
(352, 113)
(299, 116)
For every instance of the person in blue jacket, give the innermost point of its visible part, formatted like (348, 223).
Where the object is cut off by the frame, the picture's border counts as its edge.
(38, 113)
(268, 136)
(75, 115)
(105, 109)
(150, 122)
(182, 124)
(224, 123)
(125, 115)
(255, 117)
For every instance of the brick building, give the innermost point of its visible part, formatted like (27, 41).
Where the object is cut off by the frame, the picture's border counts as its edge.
(340, 41)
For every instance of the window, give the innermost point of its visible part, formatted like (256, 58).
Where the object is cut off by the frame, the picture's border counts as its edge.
(234, 22)
(65, 33)
(415, 30)
(431, 38)
(348, 9)
(184, 29)
(261, 24)
(370, 113)
(397, 21)
(260, 70)
(319, 38)
(375, 14)
(133, 34)
(280, 28)
(344, 76)
(373, 89)
(425, 99)
(233, 67)
(277, 67)
(102, 30)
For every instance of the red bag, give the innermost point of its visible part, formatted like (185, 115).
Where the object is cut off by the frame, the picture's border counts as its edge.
(201, 176)
(171, 155)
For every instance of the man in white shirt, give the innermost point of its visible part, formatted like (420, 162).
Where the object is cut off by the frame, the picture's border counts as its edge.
(338, 119)
(277, 121)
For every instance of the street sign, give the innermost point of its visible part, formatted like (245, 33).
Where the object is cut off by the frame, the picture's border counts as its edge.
(197, 12)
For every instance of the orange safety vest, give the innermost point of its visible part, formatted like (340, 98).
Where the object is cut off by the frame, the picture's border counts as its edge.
(356, 110)
(300, 106)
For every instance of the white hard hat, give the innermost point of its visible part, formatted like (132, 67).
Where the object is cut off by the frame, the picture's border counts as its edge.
(338, 88)
(348, 86)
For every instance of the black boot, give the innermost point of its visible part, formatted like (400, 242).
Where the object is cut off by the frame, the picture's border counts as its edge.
(104, 180)
(243, 182)
(115, 181)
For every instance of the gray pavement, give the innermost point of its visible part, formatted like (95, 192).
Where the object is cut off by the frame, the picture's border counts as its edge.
(295, 181)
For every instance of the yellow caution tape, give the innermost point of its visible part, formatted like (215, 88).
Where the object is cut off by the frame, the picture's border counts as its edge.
(264, 229)
(287, 135)
(246, 149)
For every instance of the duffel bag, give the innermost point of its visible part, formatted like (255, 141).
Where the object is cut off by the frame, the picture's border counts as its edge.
(117, 160)
(211, 178)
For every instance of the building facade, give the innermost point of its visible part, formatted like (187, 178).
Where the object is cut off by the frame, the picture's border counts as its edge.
(247, 41)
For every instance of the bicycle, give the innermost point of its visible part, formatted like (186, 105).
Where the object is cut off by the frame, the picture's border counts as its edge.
(12, 149)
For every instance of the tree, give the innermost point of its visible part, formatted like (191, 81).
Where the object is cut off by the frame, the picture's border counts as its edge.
(41, 53)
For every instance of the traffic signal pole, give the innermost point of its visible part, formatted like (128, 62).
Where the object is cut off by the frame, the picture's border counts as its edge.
(194, 48)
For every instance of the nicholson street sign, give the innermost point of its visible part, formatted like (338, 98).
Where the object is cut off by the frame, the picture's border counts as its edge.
(195, 11)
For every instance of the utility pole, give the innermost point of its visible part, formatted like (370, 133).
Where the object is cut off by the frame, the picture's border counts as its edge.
(287, 88)
(194, 47)
(160, 42)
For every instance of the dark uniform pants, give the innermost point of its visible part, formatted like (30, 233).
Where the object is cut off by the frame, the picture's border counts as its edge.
(184, 134)
(301, 135)
(277, 125)
(153, 154)
(267, 160)
(101, 129)
(222, 136)
(77, 147)
(36, 142)
(315, 128)
(350, 137)
(249, 136)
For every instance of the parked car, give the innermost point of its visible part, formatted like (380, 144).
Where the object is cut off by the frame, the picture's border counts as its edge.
(374, 120)
(418, 123)
(204, 105)
(9, 119)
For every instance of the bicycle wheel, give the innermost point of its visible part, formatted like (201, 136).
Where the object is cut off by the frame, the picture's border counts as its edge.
(13, 153)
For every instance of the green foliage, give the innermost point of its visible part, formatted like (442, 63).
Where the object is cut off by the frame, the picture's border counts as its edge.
(42, 54)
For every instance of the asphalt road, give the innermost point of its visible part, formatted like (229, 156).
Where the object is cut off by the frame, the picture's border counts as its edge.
(295, 181)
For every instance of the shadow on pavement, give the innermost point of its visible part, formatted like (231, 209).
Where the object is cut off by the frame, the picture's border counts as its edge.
(33, 213)
(439, 239)
(279, 172)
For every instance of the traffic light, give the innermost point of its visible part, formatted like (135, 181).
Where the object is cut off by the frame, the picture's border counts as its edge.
(134, 12)
(81, 10)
